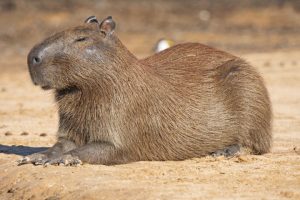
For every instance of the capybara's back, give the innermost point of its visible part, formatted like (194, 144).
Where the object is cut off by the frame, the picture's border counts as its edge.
(188, 101)
(229, 93)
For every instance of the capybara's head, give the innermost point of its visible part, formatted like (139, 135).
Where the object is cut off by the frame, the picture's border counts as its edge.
(73, 57)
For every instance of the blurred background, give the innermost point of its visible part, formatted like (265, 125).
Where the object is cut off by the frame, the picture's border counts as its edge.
(233, 25)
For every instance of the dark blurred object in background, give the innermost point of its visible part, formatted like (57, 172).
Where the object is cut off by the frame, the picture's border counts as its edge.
(238, 26)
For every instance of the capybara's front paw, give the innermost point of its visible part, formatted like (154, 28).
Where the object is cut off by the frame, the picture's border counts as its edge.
(36, 159)
(66, 160)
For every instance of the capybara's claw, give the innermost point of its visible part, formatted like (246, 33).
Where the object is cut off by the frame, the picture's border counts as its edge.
(41, 162)
(24, 160)
(66, 160)
(36, 159)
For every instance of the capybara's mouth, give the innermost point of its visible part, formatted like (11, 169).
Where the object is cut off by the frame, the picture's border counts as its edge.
(46, 87)
(65, 91)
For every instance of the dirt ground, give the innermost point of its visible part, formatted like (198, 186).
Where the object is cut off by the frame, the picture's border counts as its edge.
(266, 38)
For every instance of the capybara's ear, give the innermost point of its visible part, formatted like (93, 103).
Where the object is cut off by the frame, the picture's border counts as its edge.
(107, 26)
(91, 19)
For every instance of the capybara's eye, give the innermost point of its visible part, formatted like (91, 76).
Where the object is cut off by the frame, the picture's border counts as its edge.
(81, 39)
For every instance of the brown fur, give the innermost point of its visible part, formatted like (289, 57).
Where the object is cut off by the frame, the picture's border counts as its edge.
(187, 101)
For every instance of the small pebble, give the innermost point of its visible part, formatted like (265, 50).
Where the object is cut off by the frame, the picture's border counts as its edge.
(11, 190)
(43, 134)
(7, 133)
(242, 159)
(296, 150)
(24, 133)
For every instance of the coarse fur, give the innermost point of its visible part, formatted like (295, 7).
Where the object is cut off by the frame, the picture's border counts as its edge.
(188, 101)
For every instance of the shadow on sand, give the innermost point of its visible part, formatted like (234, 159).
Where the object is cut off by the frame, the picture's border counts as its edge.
(20, 150)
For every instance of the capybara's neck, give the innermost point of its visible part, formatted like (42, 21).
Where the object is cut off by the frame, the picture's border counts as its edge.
(96, 105)
(122, 80)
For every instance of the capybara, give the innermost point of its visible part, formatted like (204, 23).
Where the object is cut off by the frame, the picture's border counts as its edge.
(187, 101)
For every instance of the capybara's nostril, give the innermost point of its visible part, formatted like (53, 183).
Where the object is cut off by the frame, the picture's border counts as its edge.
(35, 56)
(36, 60)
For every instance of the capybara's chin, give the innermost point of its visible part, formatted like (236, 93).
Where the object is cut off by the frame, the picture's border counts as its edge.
(187, 101)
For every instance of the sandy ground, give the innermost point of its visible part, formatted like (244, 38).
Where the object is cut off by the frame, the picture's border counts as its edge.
(28, 122)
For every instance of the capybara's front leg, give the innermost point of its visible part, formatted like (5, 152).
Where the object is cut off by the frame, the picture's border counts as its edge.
(40, 158)
(92, 153)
